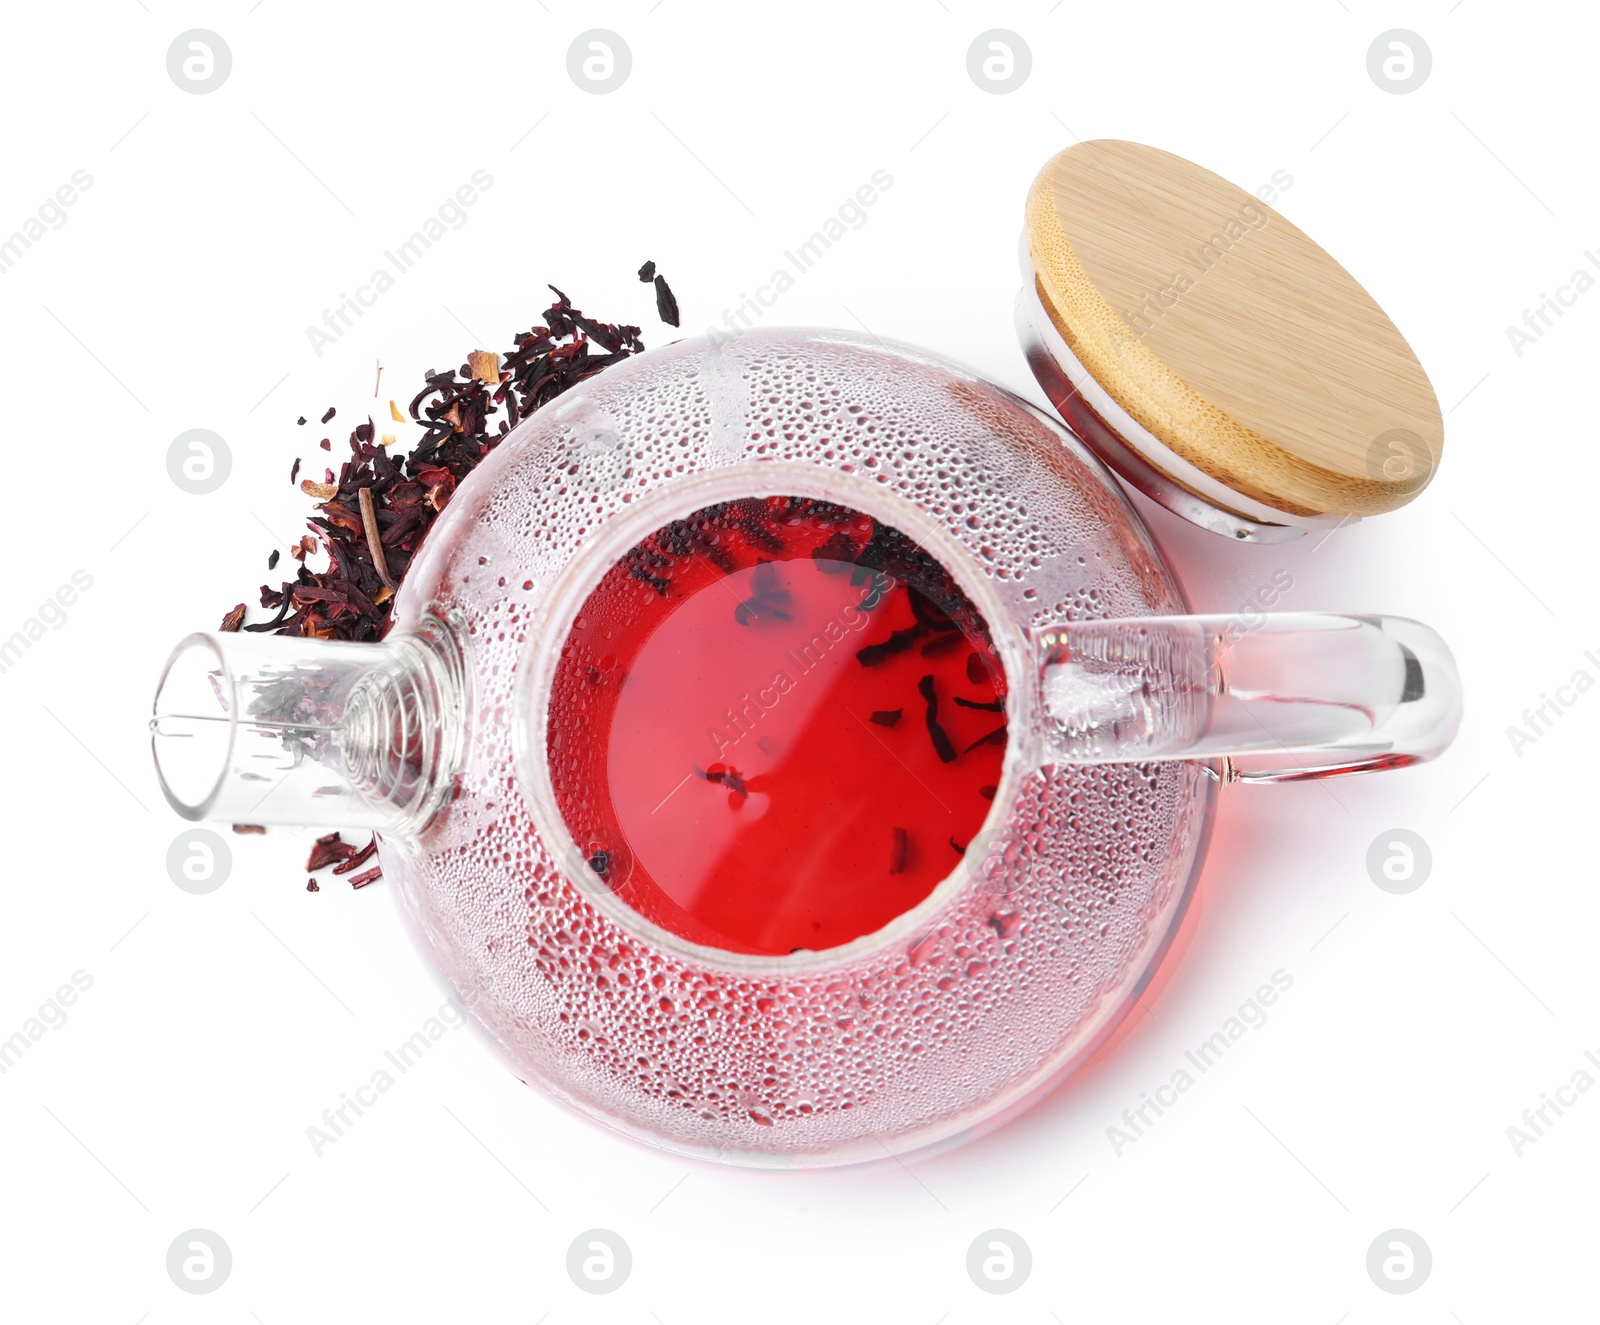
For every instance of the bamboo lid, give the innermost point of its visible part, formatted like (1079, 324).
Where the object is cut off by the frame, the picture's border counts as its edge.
(1229, 336)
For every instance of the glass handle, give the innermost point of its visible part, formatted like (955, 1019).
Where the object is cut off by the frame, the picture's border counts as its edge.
(1295, 695)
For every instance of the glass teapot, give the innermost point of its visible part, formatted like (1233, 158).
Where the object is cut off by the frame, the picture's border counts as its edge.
(792, 746)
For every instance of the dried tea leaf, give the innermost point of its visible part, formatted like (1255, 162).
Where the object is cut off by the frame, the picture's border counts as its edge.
(899, 843)
(326, 850)
(941, 741)
(360, 858)
(369, 526)
(463, 420)
(666, 302)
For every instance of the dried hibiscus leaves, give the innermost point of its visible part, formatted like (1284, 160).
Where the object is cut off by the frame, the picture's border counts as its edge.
(373, 516)
(344, 857)
(666, 301)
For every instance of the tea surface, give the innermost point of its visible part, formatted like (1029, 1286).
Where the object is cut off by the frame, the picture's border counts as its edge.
(776, 725)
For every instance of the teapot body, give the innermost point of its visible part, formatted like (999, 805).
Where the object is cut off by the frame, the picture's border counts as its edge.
(956, 1013)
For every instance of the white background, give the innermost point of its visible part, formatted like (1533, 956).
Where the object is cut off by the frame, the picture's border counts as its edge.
(218, 1028)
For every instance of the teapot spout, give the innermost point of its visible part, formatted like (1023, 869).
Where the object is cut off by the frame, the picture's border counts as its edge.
(258, 729)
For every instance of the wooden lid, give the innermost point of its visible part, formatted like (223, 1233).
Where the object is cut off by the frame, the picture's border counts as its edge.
(1228, 334)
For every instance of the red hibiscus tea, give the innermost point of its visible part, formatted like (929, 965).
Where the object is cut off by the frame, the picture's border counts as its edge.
(776, 725)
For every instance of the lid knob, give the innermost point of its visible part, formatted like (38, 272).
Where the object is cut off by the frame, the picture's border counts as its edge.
(1236, 360)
